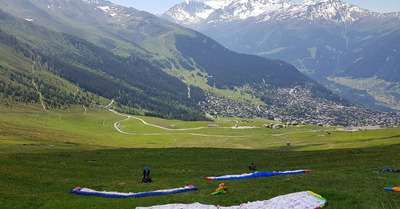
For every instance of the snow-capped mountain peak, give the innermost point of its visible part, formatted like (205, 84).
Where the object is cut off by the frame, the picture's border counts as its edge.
(196, 12)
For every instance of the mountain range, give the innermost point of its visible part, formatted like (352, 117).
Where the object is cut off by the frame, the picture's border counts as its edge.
(352, 51)
(91, 52)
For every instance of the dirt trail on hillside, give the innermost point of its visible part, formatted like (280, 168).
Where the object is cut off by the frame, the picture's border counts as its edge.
(40, 94)
(117, 127)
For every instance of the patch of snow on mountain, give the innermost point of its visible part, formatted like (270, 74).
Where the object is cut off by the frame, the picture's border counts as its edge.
(205, 13)
(108, 10)
(185, 17)
(254, 8)
(218, 4)
(91, 1)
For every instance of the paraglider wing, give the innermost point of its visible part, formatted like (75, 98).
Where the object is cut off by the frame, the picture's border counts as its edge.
(299, 200)
(91, 192)
(396, 189)
(258, 174)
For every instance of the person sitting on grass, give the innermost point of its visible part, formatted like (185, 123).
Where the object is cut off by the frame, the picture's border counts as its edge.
(252, 167)
(146, 175)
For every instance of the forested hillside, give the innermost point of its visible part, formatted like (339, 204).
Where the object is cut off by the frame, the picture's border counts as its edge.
(23, 80)
(131, 81)
(229, 69)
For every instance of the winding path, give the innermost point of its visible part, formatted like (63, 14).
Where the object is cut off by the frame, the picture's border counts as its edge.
(116, 126)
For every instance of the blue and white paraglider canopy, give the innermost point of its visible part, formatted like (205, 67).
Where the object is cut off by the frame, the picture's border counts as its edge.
(258, 174)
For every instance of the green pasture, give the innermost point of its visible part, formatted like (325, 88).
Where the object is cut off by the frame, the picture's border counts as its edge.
(94, 128)
(44, 155)
(346, 178)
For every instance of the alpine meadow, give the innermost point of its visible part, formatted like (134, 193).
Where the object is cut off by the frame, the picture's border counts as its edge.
(104, 106)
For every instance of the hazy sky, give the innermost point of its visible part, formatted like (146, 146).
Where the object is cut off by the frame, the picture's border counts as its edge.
(161, 6)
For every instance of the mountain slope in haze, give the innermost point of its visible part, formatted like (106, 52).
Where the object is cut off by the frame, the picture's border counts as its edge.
(329, 40)
(246, 83)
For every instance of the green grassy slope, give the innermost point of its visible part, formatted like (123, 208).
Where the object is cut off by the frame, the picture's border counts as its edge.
(94, 127)
(346, 178)
(43, 155)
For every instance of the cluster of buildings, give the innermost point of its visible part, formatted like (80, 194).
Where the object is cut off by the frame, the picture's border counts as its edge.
(288, 105)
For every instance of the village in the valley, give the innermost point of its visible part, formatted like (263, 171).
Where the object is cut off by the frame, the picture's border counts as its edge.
(299, 108)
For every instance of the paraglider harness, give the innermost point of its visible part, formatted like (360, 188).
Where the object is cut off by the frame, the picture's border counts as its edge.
(221, 189)
(252, 167)
(146, 176)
